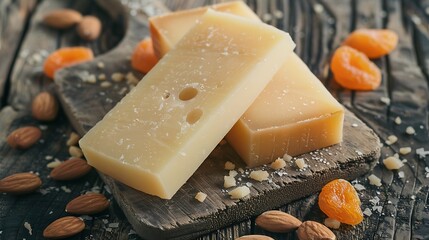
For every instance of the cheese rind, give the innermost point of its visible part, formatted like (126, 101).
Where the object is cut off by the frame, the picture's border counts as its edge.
(165, 33)
(156, 137)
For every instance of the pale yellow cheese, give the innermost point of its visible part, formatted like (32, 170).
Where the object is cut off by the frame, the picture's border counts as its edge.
(156, 137)
(166, 30)
(295, 113)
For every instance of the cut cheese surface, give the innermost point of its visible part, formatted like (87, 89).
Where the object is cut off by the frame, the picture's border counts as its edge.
(166, 32)
(158, 135)
(294, 114)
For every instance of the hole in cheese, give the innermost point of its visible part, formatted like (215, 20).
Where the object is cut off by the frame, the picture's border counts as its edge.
(188, 93)
(166, 95)
(194, 116)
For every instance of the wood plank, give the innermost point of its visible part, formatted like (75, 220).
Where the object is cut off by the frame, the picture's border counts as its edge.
(402, 216)
(25, 82)
(182, 217)
(13, 20)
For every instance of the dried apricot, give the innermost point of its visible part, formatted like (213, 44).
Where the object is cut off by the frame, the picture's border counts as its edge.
(374, 43)
(64, 57)
(339, 200)
(144, 58)
(353, 70)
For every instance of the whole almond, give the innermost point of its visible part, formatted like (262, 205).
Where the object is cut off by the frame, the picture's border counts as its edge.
(90, 203)
(277, 221)
(20, 183)
(24, 137)
(310, 230)
(70, 169)
(44, 107)
(64, 227)
(89, 28)
(62, 18)
(254, 237)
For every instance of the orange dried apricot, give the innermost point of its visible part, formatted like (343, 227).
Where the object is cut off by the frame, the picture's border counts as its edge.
(339, 200)
(353, 70)
(374, 43)
(64, 57)
(144, 58)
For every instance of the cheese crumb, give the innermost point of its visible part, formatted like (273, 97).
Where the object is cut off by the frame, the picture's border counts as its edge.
(332, 223)
(100, 65)
(374, 180)
(404, 150)
(379, 209)
(66, 189)
(401, 174)
(259, 175)
(229, 181)
(75, 152)
(278, 164)
(73, 139)
(300, 163)
(117, 77)
(101, 77)
(233, 173)
(391, 139)
(287, 157)
(201, 196)
(239, 192)
(54, 164)
(367, 212)
(392, 163)
(131, 79)
(105, 84)
(278, 14)
(398, 120)
(28, 227)
(229, 165)
(422, 153)
(359, 187)
(385, 100)
(410, 130)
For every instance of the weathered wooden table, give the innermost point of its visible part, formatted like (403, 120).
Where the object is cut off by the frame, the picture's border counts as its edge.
(399, 207)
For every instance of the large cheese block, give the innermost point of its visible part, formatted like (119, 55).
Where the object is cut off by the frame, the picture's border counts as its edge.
(168, 29)
(158, 135)
(295, 114)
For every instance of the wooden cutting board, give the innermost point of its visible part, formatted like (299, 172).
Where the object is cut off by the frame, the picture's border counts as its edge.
(182, 217)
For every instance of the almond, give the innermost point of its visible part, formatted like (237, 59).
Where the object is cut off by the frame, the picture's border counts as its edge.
(277, 221)
(64, 227)
(62, 18)
(90, 203)
(70, 169)
(89, 28)
(20, 183)
(314, 230)
(254, 237)
(44, 107)
(24, 137)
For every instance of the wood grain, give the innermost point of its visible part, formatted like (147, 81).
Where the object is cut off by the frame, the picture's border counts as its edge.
(181, 217)
(321, 24)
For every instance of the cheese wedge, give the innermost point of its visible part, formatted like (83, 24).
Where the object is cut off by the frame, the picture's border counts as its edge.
(157, 136)
(166, 30)
(295, 114)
